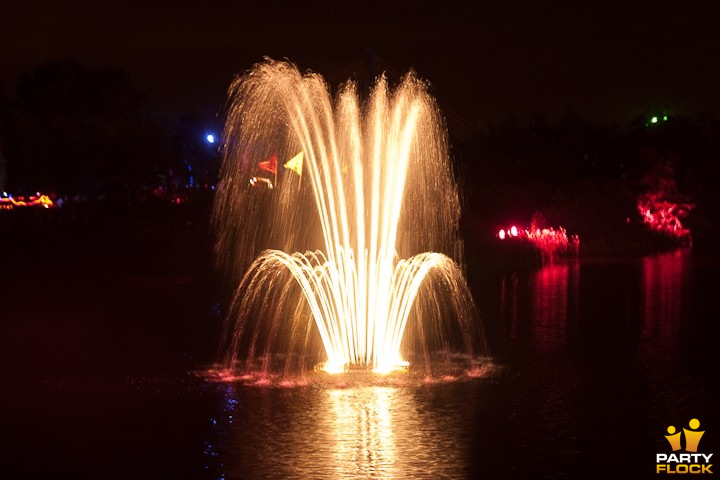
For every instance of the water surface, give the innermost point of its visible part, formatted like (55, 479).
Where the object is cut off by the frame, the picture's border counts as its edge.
(595, 359)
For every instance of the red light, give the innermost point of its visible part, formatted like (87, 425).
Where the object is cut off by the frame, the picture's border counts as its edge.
(552, 243)
(662, 215)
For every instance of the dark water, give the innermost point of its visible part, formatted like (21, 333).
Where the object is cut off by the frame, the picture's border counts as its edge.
(595, 360)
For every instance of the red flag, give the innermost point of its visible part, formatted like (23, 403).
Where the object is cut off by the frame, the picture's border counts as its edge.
(270, 164)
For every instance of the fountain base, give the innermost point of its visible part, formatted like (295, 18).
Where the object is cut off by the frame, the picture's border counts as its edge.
(449, 369)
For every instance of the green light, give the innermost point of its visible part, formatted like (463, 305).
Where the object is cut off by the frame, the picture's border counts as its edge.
(653, 120)
(664, 118)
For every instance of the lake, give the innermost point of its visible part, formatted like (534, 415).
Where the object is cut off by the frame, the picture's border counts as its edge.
(594, 359)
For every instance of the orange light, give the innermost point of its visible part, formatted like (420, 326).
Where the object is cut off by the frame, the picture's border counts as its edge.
(43, 200)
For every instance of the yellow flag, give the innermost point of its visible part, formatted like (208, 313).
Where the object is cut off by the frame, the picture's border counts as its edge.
(295, 164)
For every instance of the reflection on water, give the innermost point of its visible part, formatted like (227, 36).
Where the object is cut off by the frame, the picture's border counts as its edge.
(586, 347)
(664, 277)
(537, 306)
(555, 288)
(597, 359)
(666, 331)
(364, 438)
(540, 307)
(362, 432)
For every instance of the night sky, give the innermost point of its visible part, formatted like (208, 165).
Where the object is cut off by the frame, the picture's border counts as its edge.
(486, 60)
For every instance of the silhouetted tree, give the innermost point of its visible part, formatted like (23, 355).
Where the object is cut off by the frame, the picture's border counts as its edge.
(76, 129)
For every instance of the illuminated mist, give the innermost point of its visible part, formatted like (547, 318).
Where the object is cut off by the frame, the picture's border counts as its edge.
(349, 264)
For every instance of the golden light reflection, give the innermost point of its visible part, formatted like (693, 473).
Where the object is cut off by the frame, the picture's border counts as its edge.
(369, 432)
(363, 431)
(384, 432)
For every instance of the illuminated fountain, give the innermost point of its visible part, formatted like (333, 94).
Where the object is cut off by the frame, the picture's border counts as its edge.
(346, 252)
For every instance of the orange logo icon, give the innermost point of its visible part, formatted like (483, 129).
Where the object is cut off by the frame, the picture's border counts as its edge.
(684, 463)
(692, 436)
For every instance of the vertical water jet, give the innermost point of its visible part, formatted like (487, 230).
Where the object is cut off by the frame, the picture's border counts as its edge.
(348, 257)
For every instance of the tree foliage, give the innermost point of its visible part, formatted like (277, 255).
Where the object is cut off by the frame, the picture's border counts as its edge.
(74, 129)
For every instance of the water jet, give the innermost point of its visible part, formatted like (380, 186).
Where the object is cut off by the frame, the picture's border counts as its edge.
(351, 260)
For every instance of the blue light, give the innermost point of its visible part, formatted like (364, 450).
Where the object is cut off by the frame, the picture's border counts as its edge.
(210, 138)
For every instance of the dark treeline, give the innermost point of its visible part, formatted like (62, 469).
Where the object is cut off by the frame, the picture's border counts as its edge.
(587, 177)
(69, 129)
